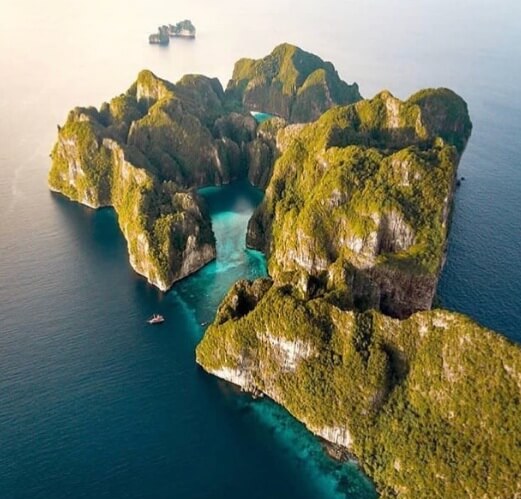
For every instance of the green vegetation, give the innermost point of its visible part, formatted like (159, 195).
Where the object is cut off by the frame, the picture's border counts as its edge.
(89, 162)
(183, 135)
(289, 83)
(119, 114)
(368, 188)
(430, 403)
(182, 28)
(139, 154)
(355, 218)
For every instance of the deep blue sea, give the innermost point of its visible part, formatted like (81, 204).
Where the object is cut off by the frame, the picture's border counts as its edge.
(93, 402)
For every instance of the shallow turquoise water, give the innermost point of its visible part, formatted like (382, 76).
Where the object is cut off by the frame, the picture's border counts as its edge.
(231, 208)
(262, 117)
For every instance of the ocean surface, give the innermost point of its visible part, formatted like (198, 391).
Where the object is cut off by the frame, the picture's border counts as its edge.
(95, 403)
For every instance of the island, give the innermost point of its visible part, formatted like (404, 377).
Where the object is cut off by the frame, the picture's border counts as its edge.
(182, 29)
(354, 225)
(162, 37)
(429, 405)
(145, 152)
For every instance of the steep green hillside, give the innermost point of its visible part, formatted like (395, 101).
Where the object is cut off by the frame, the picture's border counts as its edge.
(361, 198)
(290, 83)
(140, 153)
(429, 405)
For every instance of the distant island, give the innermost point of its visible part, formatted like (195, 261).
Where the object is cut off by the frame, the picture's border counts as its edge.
(183, 29)
(354, 226)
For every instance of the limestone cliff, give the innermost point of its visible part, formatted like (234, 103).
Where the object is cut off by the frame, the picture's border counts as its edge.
(290, 83)
(176, 133)
(168, 231)
(144, 152)
(361, 199)
(355, 217)
(164, 139)
(429, 404)
(133, 155)
(262, 152)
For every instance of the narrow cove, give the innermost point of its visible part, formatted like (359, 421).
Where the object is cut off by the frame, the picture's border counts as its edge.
(119, 408)
(231, 207)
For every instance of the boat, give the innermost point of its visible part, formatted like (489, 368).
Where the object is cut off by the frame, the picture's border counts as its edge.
(156, 319)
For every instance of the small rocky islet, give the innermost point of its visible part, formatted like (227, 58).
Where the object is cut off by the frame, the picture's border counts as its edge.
(354, 225)
(182, 29)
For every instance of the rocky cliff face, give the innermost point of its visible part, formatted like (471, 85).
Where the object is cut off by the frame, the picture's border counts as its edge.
(180, 134)
(355, 217)
(290, 83)
(142, 152)
(409, 398)
(354, 223)
(161, 139)
(361, 198)
(262, 152)
(168, 231)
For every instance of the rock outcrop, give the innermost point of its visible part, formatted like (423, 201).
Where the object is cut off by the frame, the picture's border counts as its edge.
(168, 230)
(142, 153)
(176, 132)
(290, 83)
(429, 405)
(159, 140)
(361, 199)
(262, 152)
